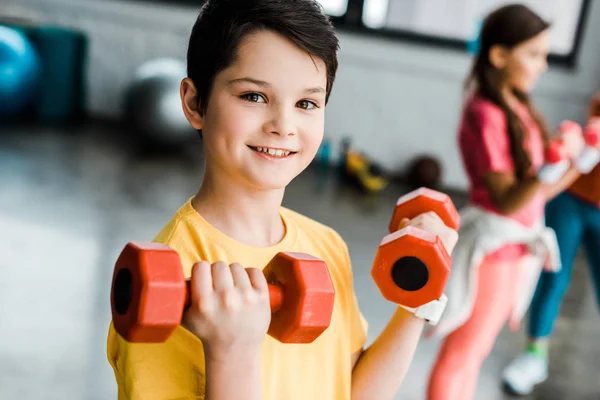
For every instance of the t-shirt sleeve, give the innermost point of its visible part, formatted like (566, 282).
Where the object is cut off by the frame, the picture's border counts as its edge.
(491, 144)
(170, 370)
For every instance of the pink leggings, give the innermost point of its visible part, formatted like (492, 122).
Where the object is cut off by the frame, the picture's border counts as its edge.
(457, 367)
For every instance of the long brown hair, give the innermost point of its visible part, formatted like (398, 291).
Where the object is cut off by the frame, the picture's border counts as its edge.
(507, 26)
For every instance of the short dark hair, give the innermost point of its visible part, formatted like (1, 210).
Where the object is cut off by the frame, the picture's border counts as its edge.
(222, 24)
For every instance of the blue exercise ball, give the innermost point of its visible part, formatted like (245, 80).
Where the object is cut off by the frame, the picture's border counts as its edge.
(19, 71)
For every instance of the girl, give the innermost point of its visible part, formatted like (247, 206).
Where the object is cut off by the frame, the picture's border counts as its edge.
(503, 241)
(575, 217)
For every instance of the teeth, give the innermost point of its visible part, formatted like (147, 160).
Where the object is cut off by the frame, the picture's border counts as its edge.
(273, 152)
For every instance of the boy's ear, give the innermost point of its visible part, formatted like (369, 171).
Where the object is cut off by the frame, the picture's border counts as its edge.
(189, 102)
(498, 56)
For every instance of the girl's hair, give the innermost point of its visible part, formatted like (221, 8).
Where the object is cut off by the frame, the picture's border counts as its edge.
(507, 26)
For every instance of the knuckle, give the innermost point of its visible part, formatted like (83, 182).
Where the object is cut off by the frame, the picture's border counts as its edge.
(419, 222)
(201, 265)
(230, 300)
(433, 216)
(203, 305)
(247, 293)
(255, 273)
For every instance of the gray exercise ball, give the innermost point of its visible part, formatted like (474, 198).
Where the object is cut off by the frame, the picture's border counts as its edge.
(153, 104)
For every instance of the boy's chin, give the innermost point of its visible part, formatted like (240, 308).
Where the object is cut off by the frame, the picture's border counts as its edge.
(273, 183)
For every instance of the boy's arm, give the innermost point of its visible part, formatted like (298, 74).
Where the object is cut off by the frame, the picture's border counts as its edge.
(234, 377)
(379, 370)
(182, 368)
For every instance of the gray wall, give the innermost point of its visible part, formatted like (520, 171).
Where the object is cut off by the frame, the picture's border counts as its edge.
(394, 99)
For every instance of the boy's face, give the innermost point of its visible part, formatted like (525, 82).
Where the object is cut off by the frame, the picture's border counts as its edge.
(265, 116)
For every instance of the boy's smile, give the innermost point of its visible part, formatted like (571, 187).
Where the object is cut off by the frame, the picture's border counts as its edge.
(270, 153)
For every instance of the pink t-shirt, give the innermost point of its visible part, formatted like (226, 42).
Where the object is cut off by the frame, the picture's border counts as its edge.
(485, 146)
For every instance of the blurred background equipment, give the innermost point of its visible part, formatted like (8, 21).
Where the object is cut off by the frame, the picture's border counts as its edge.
(153, 104)
(41, 72)
(359, 170)
(19, 71)
(63, 53)
(425, 171)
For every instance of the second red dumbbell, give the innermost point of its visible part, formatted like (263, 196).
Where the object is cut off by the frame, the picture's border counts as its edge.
(412, 266)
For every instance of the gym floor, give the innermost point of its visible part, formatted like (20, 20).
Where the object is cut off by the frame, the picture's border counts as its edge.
(71, 198)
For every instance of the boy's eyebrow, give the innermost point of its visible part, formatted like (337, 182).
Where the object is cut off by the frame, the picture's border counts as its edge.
(317, 89)
(258, 82)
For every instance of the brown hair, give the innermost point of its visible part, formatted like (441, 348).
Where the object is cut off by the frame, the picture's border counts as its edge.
(222, 24)
(507, 26)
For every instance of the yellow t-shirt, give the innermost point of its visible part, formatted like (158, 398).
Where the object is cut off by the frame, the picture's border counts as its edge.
(319, 370)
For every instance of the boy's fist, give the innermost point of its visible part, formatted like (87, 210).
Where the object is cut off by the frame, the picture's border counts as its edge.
(229, 308)
(431, 222)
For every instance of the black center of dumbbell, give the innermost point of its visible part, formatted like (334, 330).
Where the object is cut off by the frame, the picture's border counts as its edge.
(410, 273)
(123, 292)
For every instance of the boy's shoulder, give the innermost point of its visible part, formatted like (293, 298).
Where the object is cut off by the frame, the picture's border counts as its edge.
(316, 230)
(177, 222)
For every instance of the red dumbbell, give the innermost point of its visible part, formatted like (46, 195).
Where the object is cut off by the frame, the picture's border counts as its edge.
(412, 266)
(149, 294)
(559, 152)
(590, 157)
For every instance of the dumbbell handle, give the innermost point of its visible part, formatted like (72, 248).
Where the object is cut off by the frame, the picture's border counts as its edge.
(275, 295)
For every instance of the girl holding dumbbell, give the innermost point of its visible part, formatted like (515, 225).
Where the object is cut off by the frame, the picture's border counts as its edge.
(575, 217)
(514, 168)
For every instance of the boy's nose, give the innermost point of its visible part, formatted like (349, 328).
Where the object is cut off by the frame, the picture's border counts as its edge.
(281, 122)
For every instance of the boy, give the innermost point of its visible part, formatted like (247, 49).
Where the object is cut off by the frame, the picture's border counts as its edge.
(260, 73)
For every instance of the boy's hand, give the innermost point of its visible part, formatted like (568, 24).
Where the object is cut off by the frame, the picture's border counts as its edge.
(229, 309)
(431, 222)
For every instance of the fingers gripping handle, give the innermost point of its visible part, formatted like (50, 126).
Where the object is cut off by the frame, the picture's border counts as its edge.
(275, 295)
(149, 294)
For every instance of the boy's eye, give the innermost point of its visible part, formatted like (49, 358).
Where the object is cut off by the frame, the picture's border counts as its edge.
(253, 97)
(307, 105)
